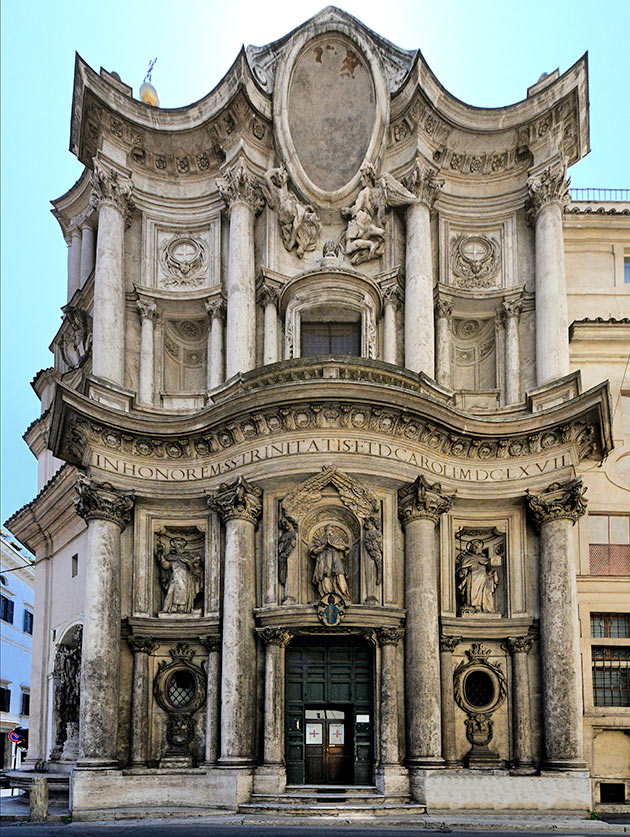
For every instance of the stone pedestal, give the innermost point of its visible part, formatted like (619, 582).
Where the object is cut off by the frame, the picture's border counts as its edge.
(519, 648)
(142, 648)
(106, 511)
(112, 195)
(391, 776)
(420, 506)
(148, 313)
(443, 316)
(512, 352)
(555, 510)
(549, 193)
(449, 750)
(240, 506)
(215, 309)
(244, 199)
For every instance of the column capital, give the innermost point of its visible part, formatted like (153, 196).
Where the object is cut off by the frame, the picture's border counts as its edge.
(519, 644)
(280, 637)
(211, 642)
(449, 643)
(444, 309)
(101, 501)
(142, 644)
(551, 185)
(146, 309)
(424, 183)
(239, 500)
(389, 636)
(422, 499)
(111, 188)
(393, 295)
(559, 501)
(239, 186)
(215, 308)
(267, 294)
(513, 308)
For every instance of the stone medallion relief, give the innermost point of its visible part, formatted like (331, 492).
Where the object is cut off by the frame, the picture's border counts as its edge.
(184, 262)
(475, 261)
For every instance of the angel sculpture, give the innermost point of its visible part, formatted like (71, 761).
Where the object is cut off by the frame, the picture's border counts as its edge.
(365, 233)
(181, 576)
(299, 224)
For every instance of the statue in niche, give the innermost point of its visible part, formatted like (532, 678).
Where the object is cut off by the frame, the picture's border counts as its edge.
(478, 565)
(299, 224)
(181, 576)
(76, 340)
(67, 675)
(329, 551)
(365, 233)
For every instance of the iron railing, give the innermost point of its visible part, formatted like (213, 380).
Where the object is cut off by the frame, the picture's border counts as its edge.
(596, 194)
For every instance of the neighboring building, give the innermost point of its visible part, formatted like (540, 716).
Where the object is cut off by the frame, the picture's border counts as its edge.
(340, 360)
(16, 630)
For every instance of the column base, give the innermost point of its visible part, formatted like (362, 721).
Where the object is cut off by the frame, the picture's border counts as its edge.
(392, 779)
(563, 765)
(425, 763)
(230, 762)
(270, 779)
(526, 769)
(96, 764)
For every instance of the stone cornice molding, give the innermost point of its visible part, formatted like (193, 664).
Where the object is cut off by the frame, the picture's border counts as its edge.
(449, 643)
(389, 636)
(549, 186)
(101, 501)
(239, 500)
(280, 637)
(240, 187)
(423, 500)
(110, 188)
(519, 644)
(559, 501)
(423, 181)
(142, 644)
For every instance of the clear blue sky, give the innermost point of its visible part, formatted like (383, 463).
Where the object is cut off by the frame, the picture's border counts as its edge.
(485, 52)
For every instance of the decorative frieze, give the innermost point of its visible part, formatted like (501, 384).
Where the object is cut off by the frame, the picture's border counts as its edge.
(423, 499)
(239, 500)
(559, 501)
(101, 501)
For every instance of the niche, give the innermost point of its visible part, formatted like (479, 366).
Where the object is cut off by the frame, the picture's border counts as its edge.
(184, 357)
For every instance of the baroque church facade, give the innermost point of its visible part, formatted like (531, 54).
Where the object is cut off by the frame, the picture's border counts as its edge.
(335, 415)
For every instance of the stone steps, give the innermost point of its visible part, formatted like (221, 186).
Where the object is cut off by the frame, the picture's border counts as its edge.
(331, 800)
(334, 809)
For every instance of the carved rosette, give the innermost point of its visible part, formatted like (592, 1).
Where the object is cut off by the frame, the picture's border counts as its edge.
(519, 644)
(112, 189)
(211, 642)
(279, 637)
(101, 501)
(239, 186)
(389, 636)
(550, 186)
(142, 644)
(449, 643)
(424, 183)
(559, 501)
(239, 500)
(444, 310)
(146, 309)
(216, 308)
(422, 499)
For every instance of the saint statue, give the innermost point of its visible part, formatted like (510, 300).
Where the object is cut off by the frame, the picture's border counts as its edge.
(329, 551)
(181, 576)
(478, 577)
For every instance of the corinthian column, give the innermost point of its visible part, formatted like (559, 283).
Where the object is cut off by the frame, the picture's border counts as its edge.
(549, 193)
(555, 511)
(420, 506)
(215, 308)
(390, 777)
(240, 506)
(391, 304)
(106, 512)
(419, 331)
(269, 299)
(142, 648)
(243, 197)
(443, 317)
(519, 647)
(449, 749)
(512, 309)
(148, 313)
(276, 640)
(112, 196)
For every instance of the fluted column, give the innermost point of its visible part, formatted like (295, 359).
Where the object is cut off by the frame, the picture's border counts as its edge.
(74, 261)
(419, 330)
(391, 304)
(420, 506)
(148, 313)
(549, 193)
(555, 511)
(215, 308)
(443, 318)
(240, 506)
(512, 309)
(212, 644)
(449, 750)
(519, 647)
(87, 251)
(276, 640)
(112, 195)
(141, 647)
(106, 512)
(243, 197)
(269, 299)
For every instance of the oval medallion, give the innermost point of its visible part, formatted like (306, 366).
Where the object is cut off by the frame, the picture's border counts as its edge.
(331, 110)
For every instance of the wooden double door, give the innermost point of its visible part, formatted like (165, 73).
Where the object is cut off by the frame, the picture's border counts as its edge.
(328, 747)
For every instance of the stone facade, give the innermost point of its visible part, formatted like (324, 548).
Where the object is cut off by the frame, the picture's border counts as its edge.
(318, 438)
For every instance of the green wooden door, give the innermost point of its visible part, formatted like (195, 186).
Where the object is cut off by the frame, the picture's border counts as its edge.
(333, 672)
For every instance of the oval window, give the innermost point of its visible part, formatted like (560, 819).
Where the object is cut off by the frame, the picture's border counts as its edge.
(180, 689)
(479, 689)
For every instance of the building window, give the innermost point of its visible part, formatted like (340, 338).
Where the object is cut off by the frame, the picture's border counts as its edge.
(609, 544)
(611, 663)
(5, 699)
(25, 708)
(75, 565)
(6, 609)
(610, 625)
(331, 339)
(626, 269)
(27, 624)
